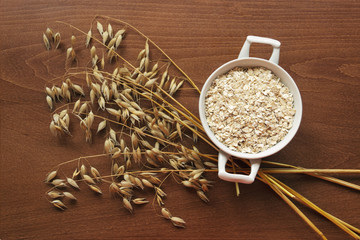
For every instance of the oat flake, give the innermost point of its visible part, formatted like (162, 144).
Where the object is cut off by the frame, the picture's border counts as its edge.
(249, 109)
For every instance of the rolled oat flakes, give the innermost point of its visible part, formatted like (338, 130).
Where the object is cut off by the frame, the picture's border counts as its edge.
(249, 109)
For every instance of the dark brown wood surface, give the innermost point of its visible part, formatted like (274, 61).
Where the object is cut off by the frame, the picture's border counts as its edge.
(320, 50)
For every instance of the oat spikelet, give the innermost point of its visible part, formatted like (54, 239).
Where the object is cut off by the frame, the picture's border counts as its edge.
(88, 80)
(111, 43)
(147, 47)
(134, 140)
(147, 183)
(110, 30)
(118, 41)
(101, 102)
(187, 184)
(88, 38)
(147, 62)
(93, 51)
(105, 37)
(95, 173)
(210, 165)
(73, 40)
(142, 63)
(160, 192)
(70, 54)
(100, 28)
(58, 182)
(51, 176)
(138, 153)
(92, 96)
(78, 89)
(59, 204)
(72, 182)
(69, 195)
(116, 152)
(108, 145)
(49, 33)
(150, 83)
(140, 201)
(46, 42)
(88, 179)
(178, 86)
(121, 171)
(111, 54)
(141, 54)
(178, 129)
(88, 135)
(112, 134)
(75, 173)
(139, 183)
(114, 189)
(83, 108)
(55, 194)
(76, 106)
(166, 213)
(50, 92)
(54, 129)
(90, 119)
(101, 126)
(66, 119)
(57, 39)
(202, 196)
(119, 32)
(196, 173)
(114, 112)
(83, 170)
(159, 201)
(178, 222)
(127, 205)
(95, 189)
(49, 102)
(102, 62)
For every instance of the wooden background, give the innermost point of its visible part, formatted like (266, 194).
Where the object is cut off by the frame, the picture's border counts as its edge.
(320, 50)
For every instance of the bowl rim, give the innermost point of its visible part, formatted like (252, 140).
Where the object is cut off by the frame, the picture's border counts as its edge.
(253, 62)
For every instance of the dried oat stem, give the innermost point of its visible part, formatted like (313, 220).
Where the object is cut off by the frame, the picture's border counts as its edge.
(306, 170)
(167, 170)
(278, 190)
(305, 201)
(316, 173)
(236, 183)
(282, 190)
(82, 157)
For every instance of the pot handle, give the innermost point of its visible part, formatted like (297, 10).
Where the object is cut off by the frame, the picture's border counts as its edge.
(245, 50)
(247, 179)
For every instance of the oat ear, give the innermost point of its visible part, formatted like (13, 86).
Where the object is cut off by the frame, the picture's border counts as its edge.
(46, 42)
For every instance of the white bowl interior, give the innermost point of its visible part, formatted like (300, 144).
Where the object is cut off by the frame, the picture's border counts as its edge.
(285, 78)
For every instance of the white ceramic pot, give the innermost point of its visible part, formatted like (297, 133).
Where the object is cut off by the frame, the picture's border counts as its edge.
(245, 61)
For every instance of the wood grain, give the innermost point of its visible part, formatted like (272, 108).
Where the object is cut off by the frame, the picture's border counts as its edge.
(320, 50)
